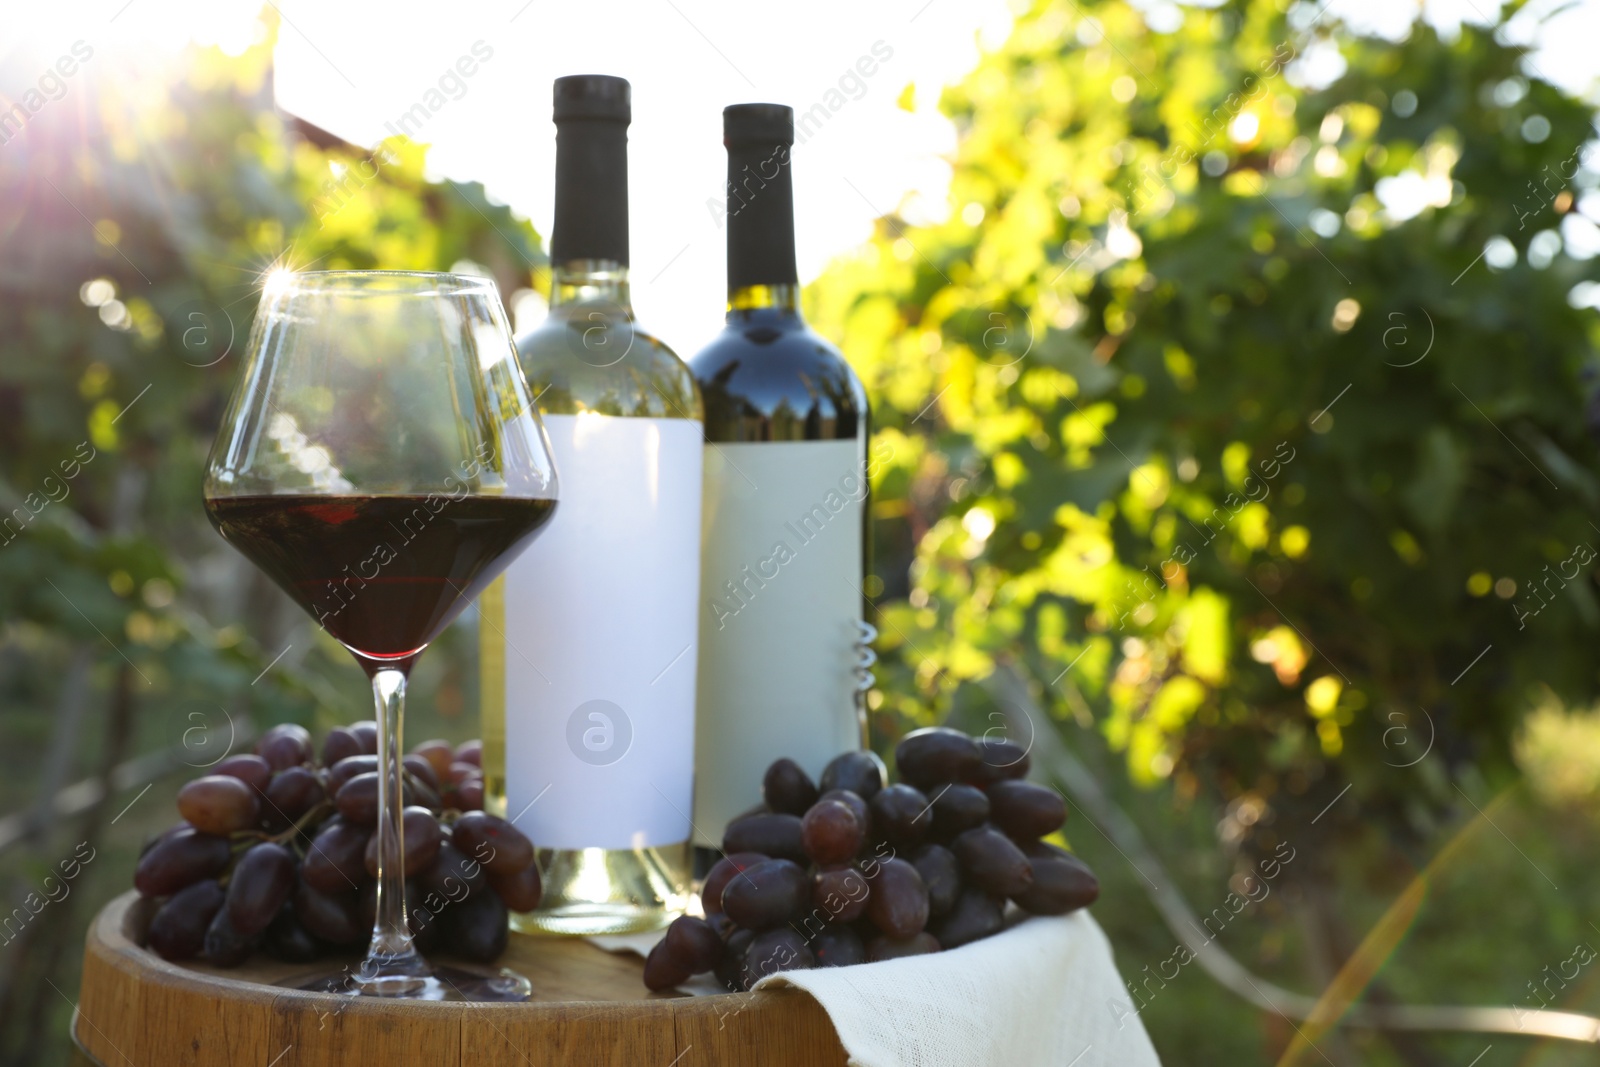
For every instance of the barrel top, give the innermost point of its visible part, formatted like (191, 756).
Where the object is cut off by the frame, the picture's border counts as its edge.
(589, 1006)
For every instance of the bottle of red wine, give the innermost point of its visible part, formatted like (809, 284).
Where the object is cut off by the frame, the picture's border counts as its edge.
(587, 646)
(786, 491)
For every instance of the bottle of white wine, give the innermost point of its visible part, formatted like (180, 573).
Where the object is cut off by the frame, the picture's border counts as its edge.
(786, 491)
(588, 663)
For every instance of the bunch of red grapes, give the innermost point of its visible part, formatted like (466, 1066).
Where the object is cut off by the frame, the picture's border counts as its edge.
(278, 851)
(859, 870)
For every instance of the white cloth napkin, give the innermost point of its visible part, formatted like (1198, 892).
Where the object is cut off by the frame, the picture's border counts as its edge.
(1038, 994)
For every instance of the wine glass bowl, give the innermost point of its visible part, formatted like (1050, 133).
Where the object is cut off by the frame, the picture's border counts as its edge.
(382, 461)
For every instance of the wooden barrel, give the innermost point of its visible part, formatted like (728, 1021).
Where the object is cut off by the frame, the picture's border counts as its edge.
(589, 1007)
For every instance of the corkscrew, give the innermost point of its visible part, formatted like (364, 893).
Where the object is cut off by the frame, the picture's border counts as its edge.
(864, 658)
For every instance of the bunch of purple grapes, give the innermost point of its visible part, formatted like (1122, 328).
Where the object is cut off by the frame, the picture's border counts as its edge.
(277, 851)
(857, 870)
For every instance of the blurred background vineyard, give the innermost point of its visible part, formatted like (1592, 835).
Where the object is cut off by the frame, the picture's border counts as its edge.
(1239, 421)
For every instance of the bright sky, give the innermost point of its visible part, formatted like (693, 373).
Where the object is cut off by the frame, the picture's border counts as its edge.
(345, 68)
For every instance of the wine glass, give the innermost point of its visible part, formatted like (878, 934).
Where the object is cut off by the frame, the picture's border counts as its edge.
(382, 461)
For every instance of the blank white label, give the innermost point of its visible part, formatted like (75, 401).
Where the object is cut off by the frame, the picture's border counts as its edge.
(600, 629)
(780, 600)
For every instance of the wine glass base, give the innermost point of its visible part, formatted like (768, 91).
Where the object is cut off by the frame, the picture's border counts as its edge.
(451, 984)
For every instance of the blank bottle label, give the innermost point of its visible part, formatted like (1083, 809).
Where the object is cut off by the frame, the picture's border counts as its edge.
(780, 599)
(600, 628)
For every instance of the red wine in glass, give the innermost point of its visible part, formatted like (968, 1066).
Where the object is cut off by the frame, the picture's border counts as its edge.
(382, 574)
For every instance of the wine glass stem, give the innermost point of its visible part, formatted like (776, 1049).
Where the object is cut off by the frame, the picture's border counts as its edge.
(391, 937)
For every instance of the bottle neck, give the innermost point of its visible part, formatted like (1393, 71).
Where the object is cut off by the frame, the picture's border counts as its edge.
(760, 218)
(746, 300)
(591, 217)
(591, 281)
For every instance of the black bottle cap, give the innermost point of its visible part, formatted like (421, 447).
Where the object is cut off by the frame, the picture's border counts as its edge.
(592, 113)
(759, 139)
(757, 124)
(593, 96)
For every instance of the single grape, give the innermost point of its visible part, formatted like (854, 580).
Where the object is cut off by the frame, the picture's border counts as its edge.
(731, 971)
(767, 894)
(941, 874)
(253, 771)
(225, 946)
(888, 948)
(476, 929)
(778, 949)
(862, 773)
(853, 801)
(787, 788)
(470, 752)
(1026, 811)
(976, 915)
(901, 815)
(290, 795)
(774, 835)
(898, 906)
(838, 946)
(366, 732)
(421, 769)
(992, 861)
(663, 969)
(357, 799)
(439, 754)
(181, 859)
(421, 837)
(998, 760)
(334, 917)
(694, 943)
(1061, 882)
(456, 773)
(178, 930)
(830, 833)
(957, 808)
(520, 890)
(339, 744)
(840, 893)
(219, 804)
(454, 876)
(261, 881)
(348, 768)
(289, 941)
(335, 858)
(285, 745)
(931, 757)
(723, 872)
(469, 795)
(493, 842)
